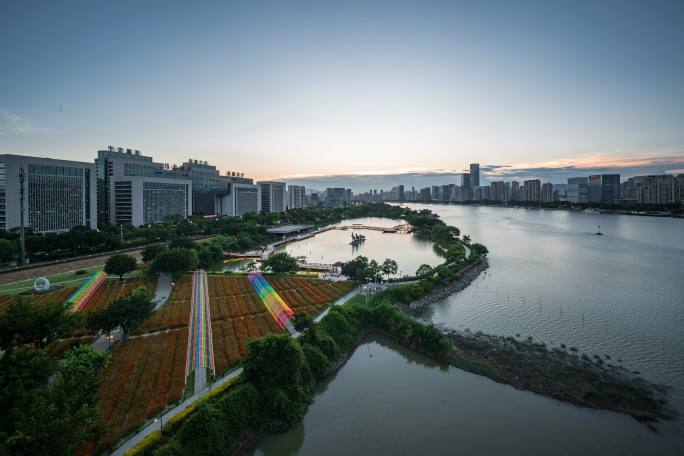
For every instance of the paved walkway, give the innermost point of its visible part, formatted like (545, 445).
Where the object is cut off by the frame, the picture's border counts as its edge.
(161, 295)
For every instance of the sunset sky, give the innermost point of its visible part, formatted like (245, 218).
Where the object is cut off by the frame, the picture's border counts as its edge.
(288, 89)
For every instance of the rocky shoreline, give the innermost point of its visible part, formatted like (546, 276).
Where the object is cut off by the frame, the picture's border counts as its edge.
(466, 276)
(559, 373)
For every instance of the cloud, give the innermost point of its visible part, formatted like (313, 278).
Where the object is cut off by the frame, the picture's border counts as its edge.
(13, 124)
(556, 171)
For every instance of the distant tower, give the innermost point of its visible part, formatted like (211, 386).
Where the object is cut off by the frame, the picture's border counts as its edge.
(474, 175)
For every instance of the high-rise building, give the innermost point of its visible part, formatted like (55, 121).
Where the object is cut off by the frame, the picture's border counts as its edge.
(447, 191)
(578, 191)
(474, 175)
(610, 188)
(58, 194)
(560, 192)
(516, 191)
(466, 187)
(425, 194)
(547, 192)
(295, 196)
(436, 195)
(400, 193)
(594, 189)
(134, 190)
(273, 196)
(604, 188)
(661, 189)
(498, 191)
(339, 196)
(532, 190)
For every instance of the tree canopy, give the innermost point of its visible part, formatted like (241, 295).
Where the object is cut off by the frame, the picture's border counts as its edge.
(281, 262)
(34, 324)
(126, 313)
(175, 262)
(151, 251)
(48, 407)
(120, 264)
(389, 266)
(360, 269)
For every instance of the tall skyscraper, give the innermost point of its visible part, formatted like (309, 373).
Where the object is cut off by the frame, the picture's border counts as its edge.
(400, 191)
(474, 175)
(466, 187)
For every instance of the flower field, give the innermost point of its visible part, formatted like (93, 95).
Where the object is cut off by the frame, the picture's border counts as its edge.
(238, 314)
(113, 289)
(144, 375)
(59, 295)
(309, 296)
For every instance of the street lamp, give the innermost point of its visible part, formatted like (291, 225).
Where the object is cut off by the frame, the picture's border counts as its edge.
(161, 422)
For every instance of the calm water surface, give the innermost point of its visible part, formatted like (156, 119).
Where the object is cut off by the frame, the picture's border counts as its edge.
(550, 277)
(332, 246)
(397, 402)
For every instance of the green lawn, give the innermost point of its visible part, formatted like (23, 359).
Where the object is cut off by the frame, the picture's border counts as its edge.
(70, 279)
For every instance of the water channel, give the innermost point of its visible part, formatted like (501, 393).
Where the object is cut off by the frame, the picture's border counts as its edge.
(550, 277)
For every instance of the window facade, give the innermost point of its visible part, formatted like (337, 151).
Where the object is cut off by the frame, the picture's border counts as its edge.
(163, 199)
(56, 197)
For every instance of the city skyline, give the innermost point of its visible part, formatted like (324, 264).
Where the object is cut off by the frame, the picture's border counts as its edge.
(369, 89)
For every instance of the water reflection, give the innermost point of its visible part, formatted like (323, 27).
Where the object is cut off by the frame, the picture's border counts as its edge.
(408, 251)
(398, 402)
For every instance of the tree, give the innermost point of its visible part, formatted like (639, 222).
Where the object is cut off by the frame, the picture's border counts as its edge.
(126, 313)
(120, 264)
(208, 254)
(281, 262)
(302, 322)
(423, 270)
(49, 407)
(389, 266)
(8, 250)
(175, 262)
(466, 239)
(479, 249)
(151, 251)
(36, 324)
(360, 269)
(182, 243)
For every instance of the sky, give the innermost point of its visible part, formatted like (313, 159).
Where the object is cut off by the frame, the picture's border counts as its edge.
(346, 91)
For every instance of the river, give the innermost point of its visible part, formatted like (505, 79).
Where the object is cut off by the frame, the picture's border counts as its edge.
(552, 278)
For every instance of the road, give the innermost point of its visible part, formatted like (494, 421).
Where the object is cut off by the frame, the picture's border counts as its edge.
(58, 268)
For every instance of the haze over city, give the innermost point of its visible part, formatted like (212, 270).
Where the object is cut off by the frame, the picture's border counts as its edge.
(350, 90)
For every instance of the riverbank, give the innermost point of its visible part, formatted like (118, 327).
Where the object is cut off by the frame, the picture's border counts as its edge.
(560, 373)
(465, 277)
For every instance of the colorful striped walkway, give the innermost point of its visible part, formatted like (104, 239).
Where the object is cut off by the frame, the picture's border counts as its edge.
(200, 353)
(275, 305)
(79, 299)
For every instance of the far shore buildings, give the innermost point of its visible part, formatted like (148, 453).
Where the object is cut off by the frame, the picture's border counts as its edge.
(272, 196)
(296, 196)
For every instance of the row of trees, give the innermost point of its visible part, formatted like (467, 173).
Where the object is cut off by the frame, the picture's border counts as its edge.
(244, 232)
(361, 269)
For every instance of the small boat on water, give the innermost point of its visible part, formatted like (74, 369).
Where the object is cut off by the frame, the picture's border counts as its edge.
(598, 233)
(357, 239)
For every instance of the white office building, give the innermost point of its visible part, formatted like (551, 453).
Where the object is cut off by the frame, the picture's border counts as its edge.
(296, 195)
(57, 194)
(273, 196)
(134, 190)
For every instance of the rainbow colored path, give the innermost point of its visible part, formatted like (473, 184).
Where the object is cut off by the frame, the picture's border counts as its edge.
(79, 299)
(275, 305)
(200, 352)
